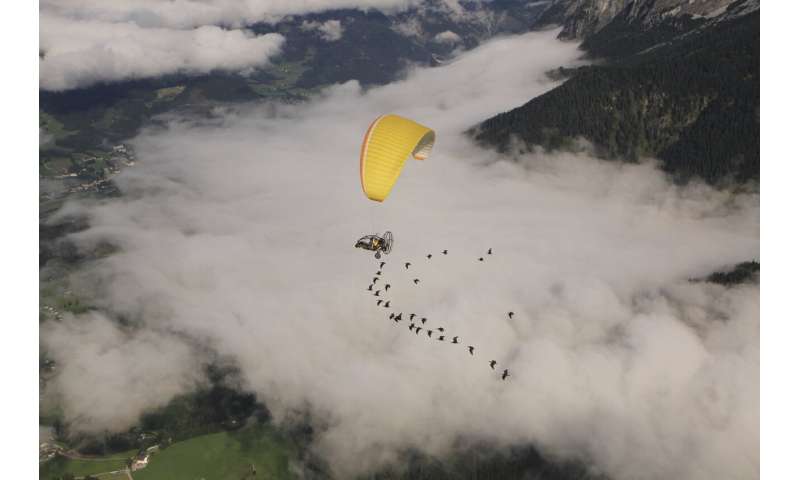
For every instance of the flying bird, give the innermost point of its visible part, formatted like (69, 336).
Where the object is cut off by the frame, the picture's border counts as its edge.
(378, 272)
(441, 329)
(399, 316)
(412, 316)
(489, 252)
(493, 363)
(387, 304)
(391, 316)
(377, 293)
(471, 350)
(370, 287)
(387, 287)
(444, 252)
(430, 332)
(505, 374)
(411, 327)
(510, 314)
(480, 259)
(408, 264)
(424, 320)
(416, 281)
(455, 339)
(379, 302)
(429, 256)
(382, 264)
(441, 338)
(374, 280)
(418, 329)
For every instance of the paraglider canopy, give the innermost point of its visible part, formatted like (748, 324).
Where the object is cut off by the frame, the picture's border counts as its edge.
(389, 141)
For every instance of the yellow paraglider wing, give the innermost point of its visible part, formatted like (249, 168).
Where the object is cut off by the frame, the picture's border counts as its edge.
(389, 141)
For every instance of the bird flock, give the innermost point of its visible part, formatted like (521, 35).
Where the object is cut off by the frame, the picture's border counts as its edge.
(417, 324)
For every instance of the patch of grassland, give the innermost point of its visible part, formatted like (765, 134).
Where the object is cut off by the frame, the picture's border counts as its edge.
(71, 303)
(52, 126)
(109, 118)
(60, 466)
(53, 166)
(282, 76)
(113, 476)
(222, 456)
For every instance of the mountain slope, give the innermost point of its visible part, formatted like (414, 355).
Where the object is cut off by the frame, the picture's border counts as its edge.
(685, 90)
(583, 18)
(580, 17)
(643, 24)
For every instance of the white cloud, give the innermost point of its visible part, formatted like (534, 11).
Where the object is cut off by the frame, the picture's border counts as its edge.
(79, 53)
(447, 37)
(90, 41)
(107, 390)
(330, 30)
(237, 233)
(183, 14)
(410, 28)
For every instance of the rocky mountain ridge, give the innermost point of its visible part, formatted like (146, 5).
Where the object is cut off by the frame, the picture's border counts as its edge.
(583, 18)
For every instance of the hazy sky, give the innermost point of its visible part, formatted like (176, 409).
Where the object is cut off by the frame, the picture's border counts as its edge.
(236, 237)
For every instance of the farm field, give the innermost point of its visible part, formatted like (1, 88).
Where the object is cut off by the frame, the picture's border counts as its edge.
(222, 456)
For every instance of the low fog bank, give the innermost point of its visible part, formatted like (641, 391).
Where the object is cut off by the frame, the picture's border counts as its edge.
(236, 236)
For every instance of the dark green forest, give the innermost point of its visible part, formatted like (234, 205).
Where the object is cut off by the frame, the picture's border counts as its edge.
(690, 97)
(744, 272)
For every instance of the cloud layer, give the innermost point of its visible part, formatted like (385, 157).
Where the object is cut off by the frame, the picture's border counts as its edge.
(186, 14)
(91, 41)
(447, 37)
(236, 236)
(79, 53)
(330, 30)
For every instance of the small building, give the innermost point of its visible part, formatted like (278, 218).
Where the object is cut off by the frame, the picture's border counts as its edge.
(140, 462)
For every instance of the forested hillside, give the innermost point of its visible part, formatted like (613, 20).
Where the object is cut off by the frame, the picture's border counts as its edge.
(685, 91)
